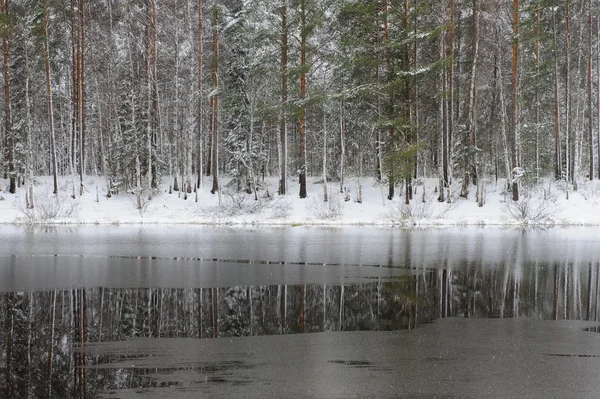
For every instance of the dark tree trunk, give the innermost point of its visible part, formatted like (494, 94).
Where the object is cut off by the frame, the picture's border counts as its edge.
(283, 127)
(8, 122)
(215, 107)
(302, 119)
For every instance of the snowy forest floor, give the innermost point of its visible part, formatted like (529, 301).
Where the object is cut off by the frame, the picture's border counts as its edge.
(547, 204)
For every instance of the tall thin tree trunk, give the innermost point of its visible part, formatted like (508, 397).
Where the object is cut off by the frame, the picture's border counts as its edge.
(389, 78)
(407, 105)
(598, 90)
(200, 119)
(415, 97)
(283, 117)
(102, 146)
(189, 125)
(558, 171)
(568, 139)
(450, 93)
(590, 89)
(324, 152)
(514, 89)
(154, 114)
(504, 122)
(302, 111)
(50, 104)
(8, 122)
(176, 118)
(29, 159)
(444, 115)
(138, 164)
(579, 118)
(537, 89)
(342, 145)
(148, 53)
(472, 116)
(215, 106)
(81, 90)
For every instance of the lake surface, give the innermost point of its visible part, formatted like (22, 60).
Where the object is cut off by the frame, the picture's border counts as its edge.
(188, 311)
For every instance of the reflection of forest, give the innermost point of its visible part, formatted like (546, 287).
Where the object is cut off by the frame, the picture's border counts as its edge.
(69, 319)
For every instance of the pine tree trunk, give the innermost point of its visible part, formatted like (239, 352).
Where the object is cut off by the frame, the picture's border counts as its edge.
(283, 117)
(443, 116)
(473, 91)
(324, 168)
(199, 117)
(103, 148)
(407, 106)
(154, 114)
(390, 102)
(514, 116)
(598, 90)
(504, 122)
(81, 90)
(50, 104)
(148, 52)
(568, 139)
(215, 107)
(557, 141)
(578, 135)
(450, 94)
(190, 110)
(28, 139)
(8, 123)
(537, 88)
(342, 146)
(302, 111)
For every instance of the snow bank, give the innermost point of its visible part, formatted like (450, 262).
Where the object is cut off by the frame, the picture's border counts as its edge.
(549, 204)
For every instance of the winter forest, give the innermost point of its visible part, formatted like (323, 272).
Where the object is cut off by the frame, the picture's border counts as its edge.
(183, 93)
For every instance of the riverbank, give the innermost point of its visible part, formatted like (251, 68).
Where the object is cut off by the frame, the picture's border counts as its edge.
(548, 204)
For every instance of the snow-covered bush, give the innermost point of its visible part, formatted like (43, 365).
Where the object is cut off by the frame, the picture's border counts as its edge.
(237, 203)
(49, 207)
(330, 210)
(241, 203)
(532, 209)
(281, 209)
(590, 190)
(140, 202)
(400, 212)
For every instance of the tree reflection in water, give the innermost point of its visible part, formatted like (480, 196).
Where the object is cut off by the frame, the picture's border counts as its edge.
(44, 333)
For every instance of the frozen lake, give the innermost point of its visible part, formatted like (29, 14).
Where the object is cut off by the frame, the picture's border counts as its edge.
(189, 311)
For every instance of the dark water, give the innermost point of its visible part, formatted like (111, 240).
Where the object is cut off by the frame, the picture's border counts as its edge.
(127, 312)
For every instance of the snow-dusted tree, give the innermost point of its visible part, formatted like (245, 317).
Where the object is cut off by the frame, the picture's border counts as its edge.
(246, 79)
(8, 117)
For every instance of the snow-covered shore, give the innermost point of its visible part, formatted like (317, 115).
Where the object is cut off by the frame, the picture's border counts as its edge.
(550, 204)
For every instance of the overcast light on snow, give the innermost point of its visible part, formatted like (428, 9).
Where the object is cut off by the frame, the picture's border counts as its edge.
(238, 208)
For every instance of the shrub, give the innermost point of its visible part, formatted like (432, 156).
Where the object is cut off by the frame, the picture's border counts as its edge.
(415, 210)
(48, 207)
(530, 209)
(330, 210)
(281, 209)
(237, 203)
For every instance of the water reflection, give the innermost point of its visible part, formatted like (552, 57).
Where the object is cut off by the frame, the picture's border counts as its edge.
(46, 335)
